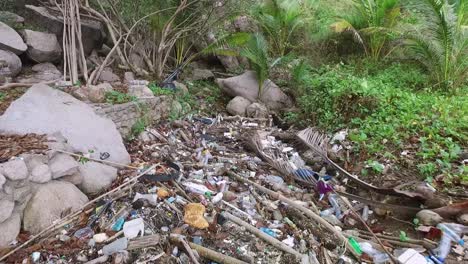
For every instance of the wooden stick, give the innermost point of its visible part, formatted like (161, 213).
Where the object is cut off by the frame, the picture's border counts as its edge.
(189, 250)
(143, 242)
(207, 253)
(78, 212)
(306, 211)
(22, 85)
(273, 241)
(96, 160)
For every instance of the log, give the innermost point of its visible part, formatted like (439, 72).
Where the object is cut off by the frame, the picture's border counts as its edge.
(143, 242)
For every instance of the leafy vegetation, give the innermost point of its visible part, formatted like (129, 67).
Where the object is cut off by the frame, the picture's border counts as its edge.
(116, 97)
(372, 22)
(441, 42)
(385, 116)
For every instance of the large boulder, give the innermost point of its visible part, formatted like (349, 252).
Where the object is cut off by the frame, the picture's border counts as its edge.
(96, 177)
(9, 230)
(6, 209)
(49, 202)
(257, 110)
(97, 93)
(14, 170)
(10, 64)
(238, 105)
(246, 85)
(11, 40)
(44, 110)
(42, 47)
(92, 30)
(42, 72)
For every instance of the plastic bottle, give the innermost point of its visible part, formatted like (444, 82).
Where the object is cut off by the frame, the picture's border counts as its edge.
(355, 245)
(377, 256)
(268, 231)
(365, 213)
(197, 188)
(450, 232)
(116, 246)
(336, 206)
(217, 198)
(151, 198)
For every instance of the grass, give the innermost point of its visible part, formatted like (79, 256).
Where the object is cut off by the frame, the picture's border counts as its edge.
(116, 97)
(389, 111)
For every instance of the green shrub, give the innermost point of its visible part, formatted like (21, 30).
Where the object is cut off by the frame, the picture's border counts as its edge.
(116, 97)
(388, 112)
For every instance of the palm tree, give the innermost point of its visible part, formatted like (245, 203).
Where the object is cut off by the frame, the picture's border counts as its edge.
(440, 43)
(279, 21)
(256, 51)
(372, 23)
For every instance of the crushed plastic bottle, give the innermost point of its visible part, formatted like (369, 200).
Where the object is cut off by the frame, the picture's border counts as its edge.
(134, 227)
(365, 213)
(268, 231)
(151, 198)
(377, 256)
(336, 206)
(116, 246)
(450, 232)
(197, 188)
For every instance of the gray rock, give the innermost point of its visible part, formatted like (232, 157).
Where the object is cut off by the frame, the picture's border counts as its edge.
(44, 110)
(238, 106)
(41, 174)
(140, 91)
(2, 181)
(80, 93)
(463, 219)
(63, 165)
(9, 230)
(108, 76)
(42, 72)
(21, 194)
(182, 88)
(34, 160)
(75, 179)
(97, 93)
(12, 64)
(428, 217)
(11, 19)
(200, 74)
(48, 203)
(42, 47)
(92, 30)
(246, 85)
(96, 177)
(11, 40)
(14, 170)
(257, 110)
(128, 77)
(6, 209)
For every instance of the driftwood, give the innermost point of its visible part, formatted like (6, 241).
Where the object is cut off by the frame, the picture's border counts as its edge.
(143, 242)
(306, 211)
(23, 85)
(273, 241)
(206, 252)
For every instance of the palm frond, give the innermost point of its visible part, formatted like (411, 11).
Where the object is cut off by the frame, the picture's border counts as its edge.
(315, 140)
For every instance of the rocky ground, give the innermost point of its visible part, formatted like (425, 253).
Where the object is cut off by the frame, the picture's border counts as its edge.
(201, 188)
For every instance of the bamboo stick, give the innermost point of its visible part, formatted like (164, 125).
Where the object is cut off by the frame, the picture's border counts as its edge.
(207, 253)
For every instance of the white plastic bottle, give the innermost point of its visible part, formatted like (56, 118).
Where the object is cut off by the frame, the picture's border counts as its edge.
(450, 232)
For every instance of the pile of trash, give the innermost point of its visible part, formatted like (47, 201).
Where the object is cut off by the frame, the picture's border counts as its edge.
(231, 190)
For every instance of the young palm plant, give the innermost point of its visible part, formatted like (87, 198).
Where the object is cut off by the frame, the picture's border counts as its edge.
(256, 51)
(279, 21)
(440, 43)
(373, 23)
